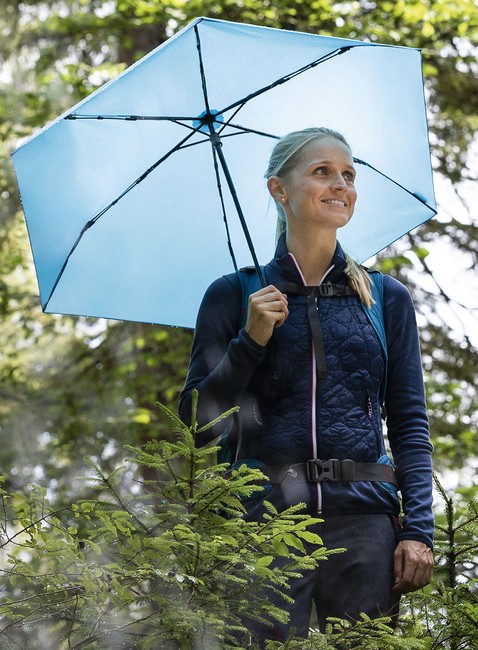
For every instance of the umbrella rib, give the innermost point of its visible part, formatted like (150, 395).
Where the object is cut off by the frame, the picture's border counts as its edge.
(402, 187)
(245, 129)
(240, 103)
(201, 71)
(94, 219)
(177, 120)
(131, 118)
(231, 118)
(134, 118)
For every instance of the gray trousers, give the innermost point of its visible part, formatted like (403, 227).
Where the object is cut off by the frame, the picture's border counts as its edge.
(346, 584)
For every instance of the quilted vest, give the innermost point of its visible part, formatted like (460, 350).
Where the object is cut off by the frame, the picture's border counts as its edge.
(290, 414)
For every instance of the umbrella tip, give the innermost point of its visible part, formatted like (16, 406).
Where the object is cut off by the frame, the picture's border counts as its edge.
(423, 200)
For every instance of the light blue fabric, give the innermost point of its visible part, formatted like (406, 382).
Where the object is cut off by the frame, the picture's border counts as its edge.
(375, 316)
(118, 212)
(385, 460)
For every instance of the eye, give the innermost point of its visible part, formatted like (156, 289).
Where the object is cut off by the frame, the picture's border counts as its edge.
(322, 170)
(349, 177)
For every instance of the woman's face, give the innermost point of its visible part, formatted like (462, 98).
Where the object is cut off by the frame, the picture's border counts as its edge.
(320, 188)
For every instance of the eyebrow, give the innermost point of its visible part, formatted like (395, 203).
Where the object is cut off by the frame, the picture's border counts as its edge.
(328, 162)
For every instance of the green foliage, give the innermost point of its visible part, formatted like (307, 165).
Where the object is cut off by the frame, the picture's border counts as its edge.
(65, 380)
(163, 563)
(171, 563)
(449, 611)
(365, 634)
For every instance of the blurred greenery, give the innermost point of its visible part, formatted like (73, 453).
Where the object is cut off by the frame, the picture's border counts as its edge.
(163, 563)
(72, 386)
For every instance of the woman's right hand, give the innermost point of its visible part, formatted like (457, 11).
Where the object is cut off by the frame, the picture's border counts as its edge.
(267, 309)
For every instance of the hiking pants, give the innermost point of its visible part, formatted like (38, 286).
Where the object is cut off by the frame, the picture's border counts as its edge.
(357, 580)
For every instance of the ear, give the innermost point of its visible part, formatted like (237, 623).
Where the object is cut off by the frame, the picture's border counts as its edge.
(276, 189)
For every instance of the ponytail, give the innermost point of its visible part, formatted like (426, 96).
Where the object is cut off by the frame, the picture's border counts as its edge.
(359, 280)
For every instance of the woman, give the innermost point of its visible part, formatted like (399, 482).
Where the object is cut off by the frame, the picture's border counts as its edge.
(309, 374)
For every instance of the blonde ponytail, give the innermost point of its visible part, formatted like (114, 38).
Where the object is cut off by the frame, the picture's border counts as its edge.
(359, 280)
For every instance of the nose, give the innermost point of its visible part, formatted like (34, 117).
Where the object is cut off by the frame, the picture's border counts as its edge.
(338, 182)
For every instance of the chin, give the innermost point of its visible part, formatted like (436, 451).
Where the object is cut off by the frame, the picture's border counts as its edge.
(341, 222)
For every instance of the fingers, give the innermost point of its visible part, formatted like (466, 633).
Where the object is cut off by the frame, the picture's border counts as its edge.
(266, 294)
(267, 309)
(413, 566)
(269, 302)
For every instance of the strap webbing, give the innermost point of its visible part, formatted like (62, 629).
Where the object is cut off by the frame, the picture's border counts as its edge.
(317, 470)
(326, 290)
(317, 337)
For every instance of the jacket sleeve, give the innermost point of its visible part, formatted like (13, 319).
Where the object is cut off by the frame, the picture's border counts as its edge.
(407, 421)
(223, 357)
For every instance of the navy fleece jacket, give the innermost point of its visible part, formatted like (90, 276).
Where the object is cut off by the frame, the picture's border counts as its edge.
(228, 367)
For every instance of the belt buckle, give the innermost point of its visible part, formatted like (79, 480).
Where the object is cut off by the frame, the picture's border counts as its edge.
(323, 470)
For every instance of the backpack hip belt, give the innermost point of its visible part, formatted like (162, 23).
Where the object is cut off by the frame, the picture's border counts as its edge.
(317, 470)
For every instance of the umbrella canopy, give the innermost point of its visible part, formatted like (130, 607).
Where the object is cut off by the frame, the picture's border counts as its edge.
(145, 192)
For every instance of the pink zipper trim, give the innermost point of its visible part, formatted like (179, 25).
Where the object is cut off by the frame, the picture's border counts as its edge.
(313, 390)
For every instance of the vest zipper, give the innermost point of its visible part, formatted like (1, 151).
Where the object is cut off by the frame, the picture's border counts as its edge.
(313, 400)
(314, 403)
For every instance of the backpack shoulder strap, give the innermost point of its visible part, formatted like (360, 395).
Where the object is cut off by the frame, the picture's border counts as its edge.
(375, 316)
(250, 283)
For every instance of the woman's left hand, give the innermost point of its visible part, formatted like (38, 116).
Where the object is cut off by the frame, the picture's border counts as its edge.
(413, 566)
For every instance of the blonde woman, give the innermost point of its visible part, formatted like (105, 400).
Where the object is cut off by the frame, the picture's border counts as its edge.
(309, 372)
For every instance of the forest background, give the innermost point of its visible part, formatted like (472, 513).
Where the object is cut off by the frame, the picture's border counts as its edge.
(77, 387)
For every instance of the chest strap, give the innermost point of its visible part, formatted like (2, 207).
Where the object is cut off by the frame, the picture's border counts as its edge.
(326, 290)
(317, 470)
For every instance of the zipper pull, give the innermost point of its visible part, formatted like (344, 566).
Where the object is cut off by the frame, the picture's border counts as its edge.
(369, 408)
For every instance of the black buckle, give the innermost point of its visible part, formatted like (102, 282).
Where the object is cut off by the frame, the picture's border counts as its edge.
(326, 289)
(323, 470)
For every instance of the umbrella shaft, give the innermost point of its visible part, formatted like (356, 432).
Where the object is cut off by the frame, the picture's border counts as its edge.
(217, 144)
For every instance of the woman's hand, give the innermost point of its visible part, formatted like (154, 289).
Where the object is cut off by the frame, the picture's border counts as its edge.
(413, 566)
(267, 309)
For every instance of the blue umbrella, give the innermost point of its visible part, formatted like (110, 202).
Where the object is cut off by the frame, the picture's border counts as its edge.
(142, 194)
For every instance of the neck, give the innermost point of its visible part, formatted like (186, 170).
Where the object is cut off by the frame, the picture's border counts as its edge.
(314, 256)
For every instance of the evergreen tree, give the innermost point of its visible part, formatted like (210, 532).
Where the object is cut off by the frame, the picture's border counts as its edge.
(163, 563)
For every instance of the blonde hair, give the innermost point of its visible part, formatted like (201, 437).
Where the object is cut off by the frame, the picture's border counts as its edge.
(283, 159)
(359, 280)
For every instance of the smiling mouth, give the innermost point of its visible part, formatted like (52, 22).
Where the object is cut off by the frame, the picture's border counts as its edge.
(340, 204)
